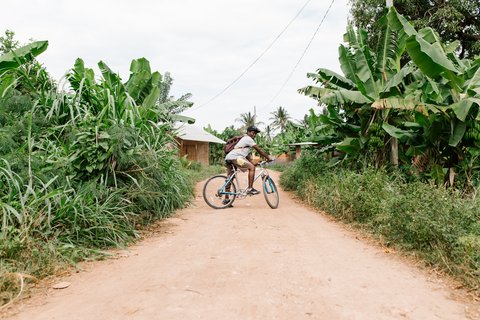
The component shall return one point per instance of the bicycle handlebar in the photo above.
(261, 163)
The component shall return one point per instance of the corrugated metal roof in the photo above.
(303, 144)
(192, 133)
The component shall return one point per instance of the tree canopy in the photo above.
(7, 42)
(452, 19)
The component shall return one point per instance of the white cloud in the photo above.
(204, 44)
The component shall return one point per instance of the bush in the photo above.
(440, 225)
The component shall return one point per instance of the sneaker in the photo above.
(227, 201)
(252, 191)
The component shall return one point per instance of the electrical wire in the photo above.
(254, 61)
(301, 57)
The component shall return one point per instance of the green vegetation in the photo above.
(439, 225)
(454, 20)
(82, 169)
(274, 139)
(422, 115)
(399, 144)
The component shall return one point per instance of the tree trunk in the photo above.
(394, 151)
(451, 176)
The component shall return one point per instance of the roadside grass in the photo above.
(439, 225)
(198, 171)
(280, 167)
(59, 227)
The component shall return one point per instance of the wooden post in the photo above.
(297, 152)
(394, 151)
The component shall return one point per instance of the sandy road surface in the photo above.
(250, 262)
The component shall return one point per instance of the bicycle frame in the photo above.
(218, 195)
(242, 192)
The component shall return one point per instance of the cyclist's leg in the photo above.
(230, 169)
(243, 163)
(251, 173)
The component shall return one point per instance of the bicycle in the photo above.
(214, 190)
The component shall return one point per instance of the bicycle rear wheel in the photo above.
(214, 192)
(270, 192)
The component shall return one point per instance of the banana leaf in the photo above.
(177, 117)
(424, 48)
(398, 78)
(364, 73)
(398, 133)
(347, 63)
(7, 81)
(399, 23)
(473, 83)
(331, 79)
(458, 131)
(152, 98)
(140, 77)
(387, 51)
(169, 105)
(22, 55)
(357, 39)
(462, 108)
(335, 97)
(406, 104)
(109, 76)
(349, 145)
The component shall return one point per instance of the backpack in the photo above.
(231, 143)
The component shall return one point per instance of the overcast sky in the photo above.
(204, 44)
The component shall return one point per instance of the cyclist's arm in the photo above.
(262, 153)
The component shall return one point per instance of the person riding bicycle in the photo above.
(240, 158)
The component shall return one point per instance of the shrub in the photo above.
(441, 225)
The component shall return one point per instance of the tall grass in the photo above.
(81, 171)
(441, 226)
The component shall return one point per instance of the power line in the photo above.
(301, 57)
(254, 61)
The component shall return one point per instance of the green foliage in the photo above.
(410, 112)
(17, 57)
(7, 42)
(455, 20)
(83, 170)
(280, 167)
(440, 225)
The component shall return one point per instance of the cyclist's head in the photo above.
(253, 129)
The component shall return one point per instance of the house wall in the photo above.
(195, 150)
(285, 157)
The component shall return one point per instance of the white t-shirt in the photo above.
(242, 149)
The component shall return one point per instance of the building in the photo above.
(298, 147)
(195, 143)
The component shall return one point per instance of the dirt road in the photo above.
(251, 262)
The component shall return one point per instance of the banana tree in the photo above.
(111, 120)
(131, 103)
(11, 61)
(444, 100)
(429, 103)
(368, 77)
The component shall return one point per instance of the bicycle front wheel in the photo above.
(215, 193)
(270, 192)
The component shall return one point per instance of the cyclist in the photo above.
(240, 157)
